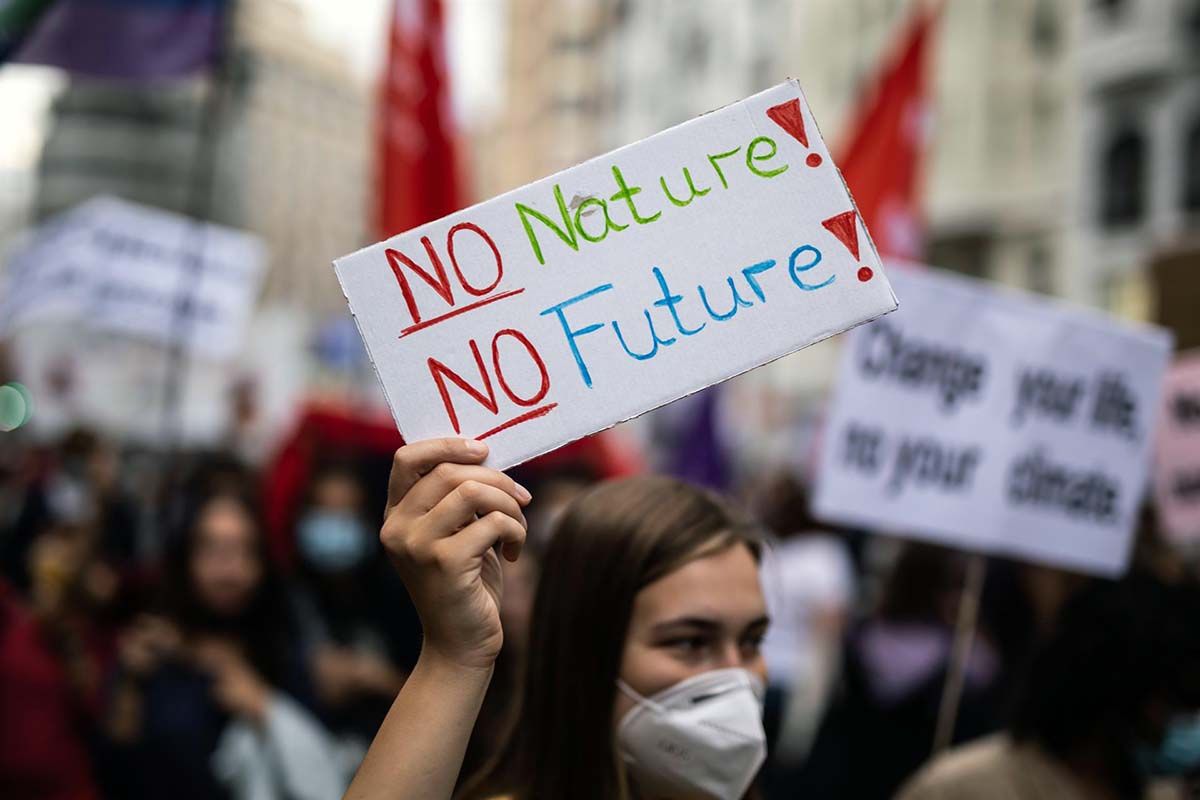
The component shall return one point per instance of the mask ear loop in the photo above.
(633, 695)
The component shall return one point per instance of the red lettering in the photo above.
(470, 226)
(486, 398)
(438, 279)
(533, 354)
(440, 284)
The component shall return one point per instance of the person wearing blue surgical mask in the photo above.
(1111, 705)
(361, 641)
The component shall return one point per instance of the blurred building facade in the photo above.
(1138, 146)
(302, 154)
(290, 163)
(558, 92)
(291, 158)
(1004, 103)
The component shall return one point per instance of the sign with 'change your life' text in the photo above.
(621, 284)
(995, 421)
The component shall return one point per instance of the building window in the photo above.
(1191, 166)
(1191, 19)
(1045, 30)
(1123, 172)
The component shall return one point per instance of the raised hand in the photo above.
(445, 513)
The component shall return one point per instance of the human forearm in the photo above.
(419, 748)
(447, 519)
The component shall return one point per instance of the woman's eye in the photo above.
(690, 644)
(753, 643)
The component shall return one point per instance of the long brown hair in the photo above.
(265, 627)
(610, 543)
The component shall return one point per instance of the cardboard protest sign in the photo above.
(995, 421)
(1177, 461)
(120, 266)
(624, 283)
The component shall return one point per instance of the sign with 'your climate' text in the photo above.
(621, 284)
(991, 420)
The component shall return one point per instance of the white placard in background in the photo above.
(621, 284)
(120, 266)
(996, 421)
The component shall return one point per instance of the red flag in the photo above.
(417, 172)
(886, 140)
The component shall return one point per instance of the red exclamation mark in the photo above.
(845, 227)
(787, 116)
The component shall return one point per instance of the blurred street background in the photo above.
(1047, 145)
(1060, 156)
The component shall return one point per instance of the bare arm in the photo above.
(445, 515)
(419, 748)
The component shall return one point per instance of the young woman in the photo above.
(205, 704)
(644, 677)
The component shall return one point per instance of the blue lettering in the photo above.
(738, 302)
(795, 270)
(653, 336)
(573, 334)
(669, 301)
(753, 270)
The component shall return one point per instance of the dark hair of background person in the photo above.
(1117, 649)
(612, 542)
(786, 507)
(923, 585)
(264, 628)
(333, 469)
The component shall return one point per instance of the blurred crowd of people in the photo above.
(159, 639)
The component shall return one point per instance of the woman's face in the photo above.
(225, 567)
(708, 614)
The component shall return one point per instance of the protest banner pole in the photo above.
(199, 207)
(964, 637)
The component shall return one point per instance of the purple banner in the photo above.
(126, 38)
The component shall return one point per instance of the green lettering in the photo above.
(568, 236)
(751, 158)
(687, 176)
(713, 159)
(626, 194)
(609, 225)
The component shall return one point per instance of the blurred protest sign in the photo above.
(997, 422)
(118, 266)
(1177, 460)
(624, 283)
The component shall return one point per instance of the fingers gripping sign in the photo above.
(445, 515)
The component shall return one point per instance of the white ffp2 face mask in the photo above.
(702, 735)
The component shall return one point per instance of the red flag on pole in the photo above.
(417, 172)
(885, 145)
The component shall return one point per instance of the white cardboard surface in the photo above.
(540, 350)
(996, 421)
